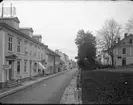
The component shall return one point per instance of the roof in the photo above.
(37, 36)
(120, 41)
(13, 18)
(21, 34)
(50, 52)
(27, 28)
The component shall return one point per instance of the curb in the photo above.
(25, 86)
(66, 94)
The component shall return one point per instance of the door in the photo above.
(124, 62)
(10, 69)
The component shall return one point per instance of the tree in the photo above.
(86, 47)
(108, 35)
(129, 26)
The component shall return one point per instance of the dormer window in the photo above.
(131, 41)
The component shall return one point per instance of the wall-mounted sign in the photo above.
(6, 67)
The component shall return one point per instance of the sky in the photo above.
(59, 21)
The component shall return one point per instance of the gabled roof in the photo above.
(121, 41)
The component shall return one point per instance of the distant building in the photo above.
(123, 51)
(66, 61)
(64, 58)
(72, 64)
(53, 61)
(105, 58)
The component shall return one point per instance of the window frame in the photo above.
(25, 65)
(18, 65)
(130, 40)
(124, 51)
(18, 45)
(25, 47)
(10, 43)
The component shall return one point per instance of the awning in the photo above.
(41, 66)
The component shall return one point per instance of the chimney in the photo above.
(125, 35)
(27, 31)
(37, 38)
(11, 21)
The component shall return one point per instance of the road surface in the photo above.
(48, 91)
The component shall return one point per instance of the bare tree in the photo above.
(108, 35)
(129, 25)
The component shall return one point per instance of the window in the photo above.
(30, 49)
(130, 50)
(35, 67)
(25, 65)
(130, 41)
(18, 66)
(10, 43)
(116, 51)
(124, 51)
(35, 51)
(18, 45)
(38, 55)
(26, 48)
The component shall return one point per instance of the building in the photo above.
(64, 59)
(123, 51)
(72, 64)
(105, 58)
(22, 54)
(53, 61)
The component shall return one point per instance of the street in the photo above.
(48, 91)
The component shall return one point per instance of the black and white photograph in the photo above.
(66, 52)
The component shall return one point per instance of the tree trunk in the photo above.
(112, 58)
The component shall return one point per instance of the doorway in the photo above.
(10, 62)
(123, 62)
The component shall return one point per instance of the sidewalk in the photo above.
(6, 91)
(71, 94)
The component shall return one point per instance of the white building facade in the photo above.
(20, 53)
(123, 51)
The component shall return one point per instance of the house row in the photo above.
(22, 53)
(64, 59)
(122, 52)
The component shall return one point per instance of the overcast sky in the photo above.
(58, 22)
